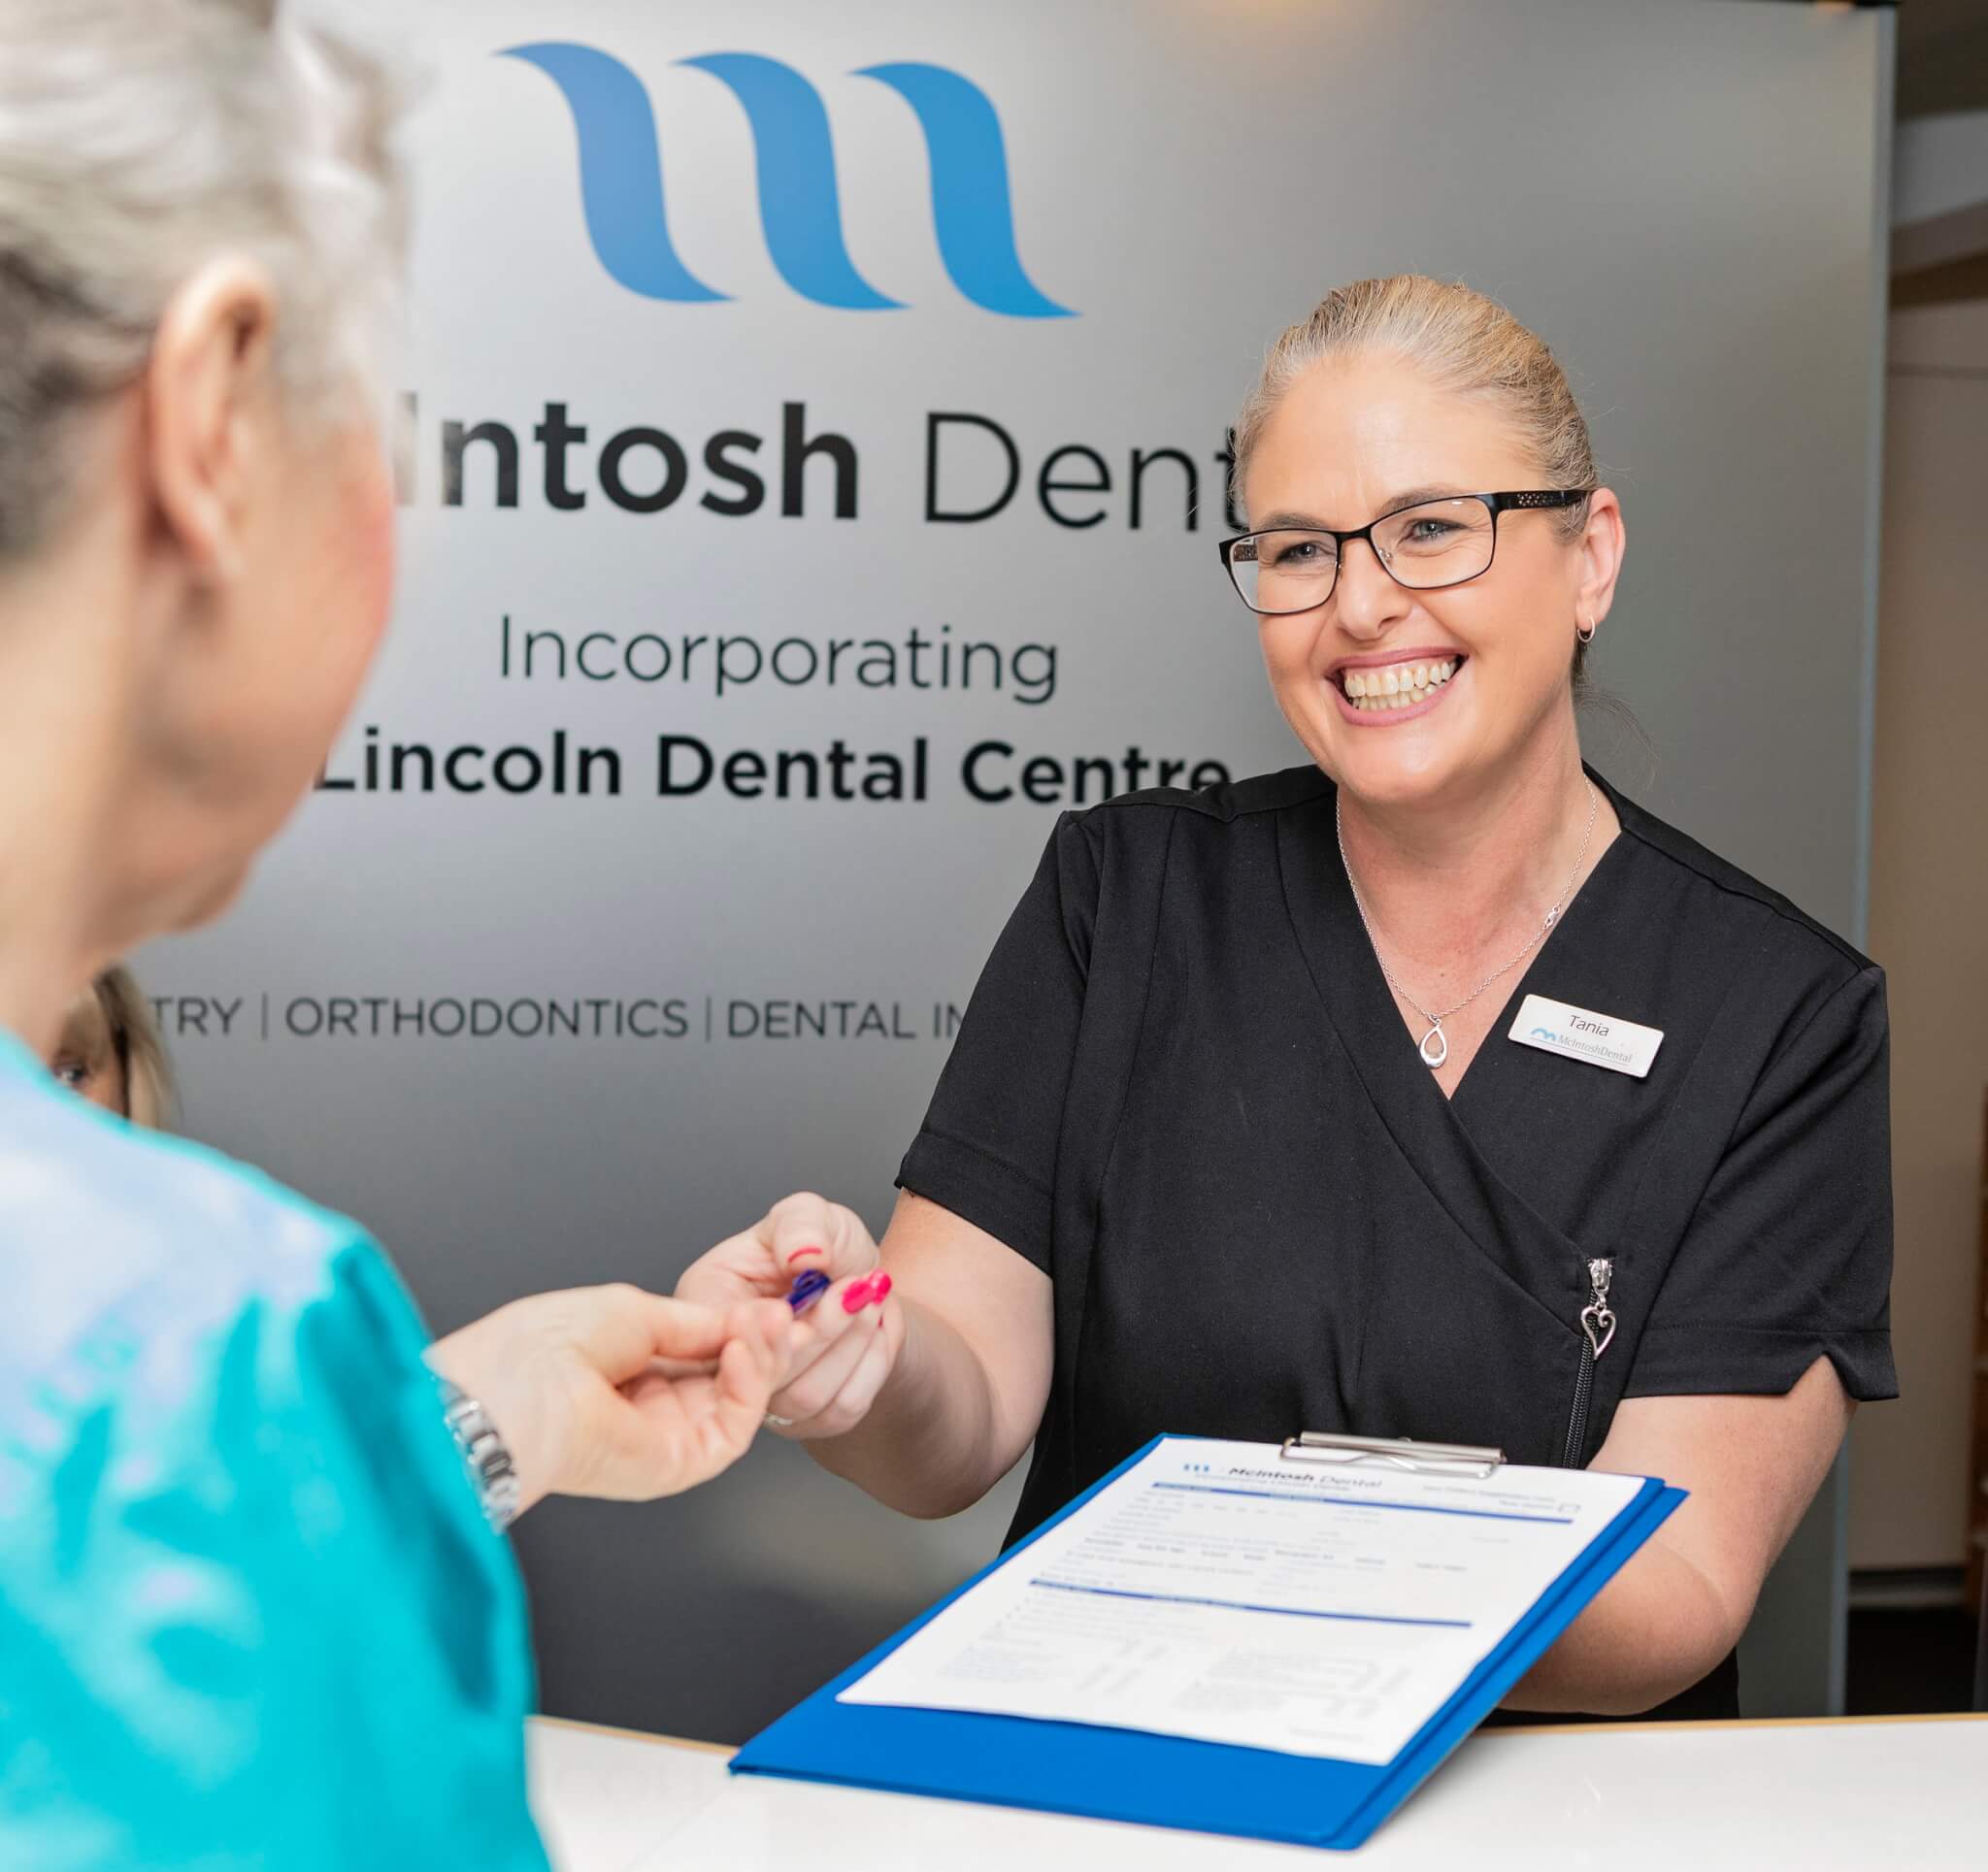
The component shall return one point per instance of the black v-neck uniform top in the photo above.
(1182, 1091)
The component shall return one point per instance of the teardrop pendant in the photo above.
(1434, 1060)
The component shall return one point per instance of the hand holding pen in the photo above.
(819, 1258)
(615, 1393)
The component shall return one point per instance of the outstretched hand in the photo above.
(616, 1393)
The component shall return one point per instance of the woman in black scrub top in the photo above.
(1246, 1131)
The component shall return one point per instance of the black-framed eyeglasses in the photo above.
(1424, 546)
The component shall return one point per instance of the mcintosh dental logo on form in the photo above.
(622, 194)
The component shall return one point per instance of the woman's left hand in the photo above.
(616, 1393)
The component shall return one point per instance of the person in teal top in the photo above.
(246, 1594)
(256, 1608)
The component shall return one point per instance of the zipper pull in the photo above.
(1595, 1319)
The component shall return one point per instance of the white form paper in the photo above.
(1215, 1591)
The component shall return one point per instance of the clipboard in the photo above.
(1173, 1781)
(1476, 1459)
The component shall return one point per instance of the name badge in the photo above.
(1601, 1039)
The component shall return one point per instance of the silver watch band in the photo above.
(483, 1453)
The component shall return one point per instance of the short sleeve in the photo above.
(987, 1148)
(1788, 1256)
(261, 1620)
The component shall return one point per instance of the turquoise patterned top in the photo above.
(250, 1614)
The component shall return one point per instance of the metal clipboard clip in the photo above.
(1474, 1460)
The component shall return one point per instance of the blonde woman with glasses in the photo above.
(1429, 1088)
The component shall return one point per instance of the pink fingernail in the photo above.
(857, 1296)
(800, 1253)
(880, 1288)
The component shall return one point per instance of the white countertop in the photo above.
(1906, 1791)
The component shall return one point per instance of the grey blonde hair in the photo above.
(1462, 342)
(111, 1022)
(148, 1091)
(140, 138)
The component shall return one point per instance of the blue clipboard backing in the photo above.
(1165, 1780)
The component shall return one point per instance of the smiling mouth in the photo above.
(1396, 685)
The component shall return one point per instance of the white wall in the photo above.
(1929, 924)
(1939, 164)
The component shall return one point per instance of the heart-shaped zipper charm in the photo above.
(1599, 1323)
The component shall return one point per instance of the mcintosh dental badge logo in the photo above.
(622, 179)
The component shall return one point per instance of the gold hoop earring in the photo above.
(1586, 633)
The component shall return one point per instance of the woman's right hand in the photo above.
(845, 1346)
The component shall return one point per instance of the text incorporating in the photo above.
(974, 473)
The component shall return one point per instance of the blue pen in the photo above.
(807, 1288)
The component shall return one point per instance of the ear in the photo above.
(206, 391)
(1602, 546)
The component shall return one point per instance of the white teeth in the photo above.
(1399, 686)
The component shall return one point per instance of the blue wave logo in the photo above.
(1544, 1033)
(622, 179)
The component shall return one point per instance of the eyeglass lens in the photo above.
(1440, 543)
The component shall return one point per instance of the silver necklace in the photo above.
(1434, 1046)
